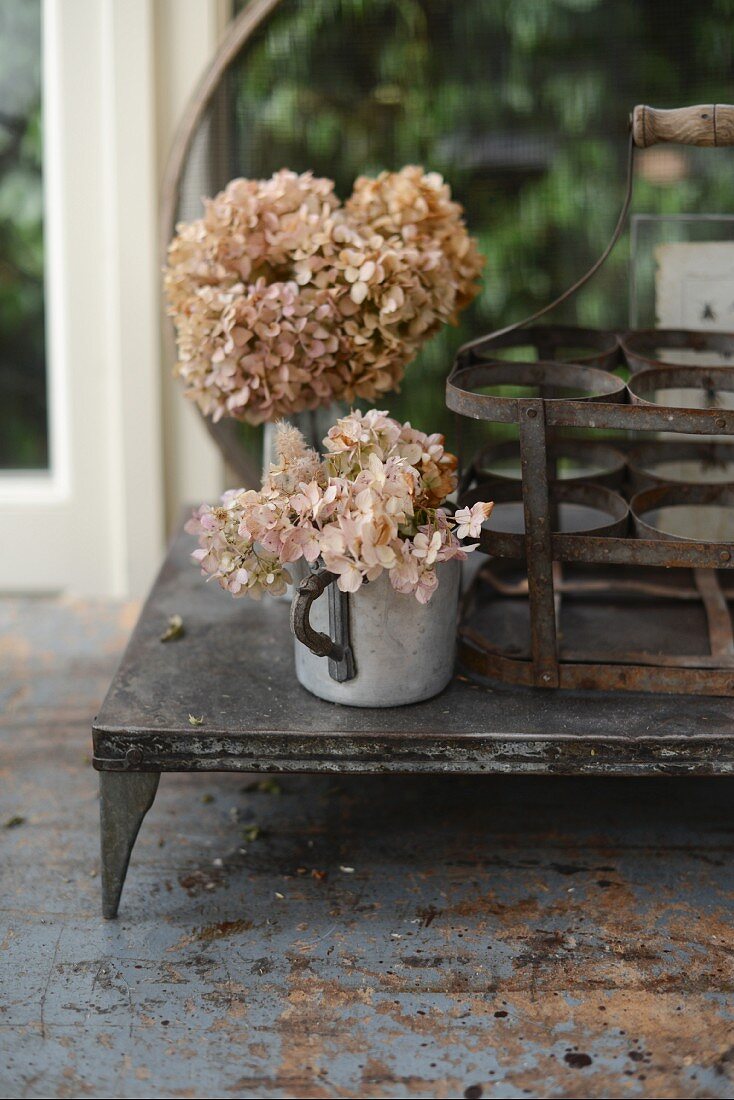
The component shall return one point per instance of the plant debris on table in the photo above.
(175, 629)
(265, 786)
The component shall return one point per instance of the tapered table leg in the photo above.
(124, 800)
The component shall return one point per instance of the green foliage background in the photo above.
(521, 104)
(23, 441)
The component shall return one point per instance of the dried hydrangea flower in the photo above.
(285, 300)
(372, 504)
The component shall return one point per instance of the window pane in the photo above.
(23, 414)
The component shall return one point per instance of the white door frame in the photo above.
(95, 523)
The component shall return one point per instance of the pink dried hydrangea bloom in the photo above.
(285, 300)
(418, 207)
(371, 504)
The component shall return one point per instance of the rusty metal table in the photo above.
(233, 672)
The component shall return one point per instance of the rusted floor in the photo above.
(317, 937)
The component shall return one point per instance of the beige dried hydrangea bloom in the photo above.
(285, 300)
(372, 504)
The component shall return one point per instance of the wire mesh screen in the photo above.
(521, 104)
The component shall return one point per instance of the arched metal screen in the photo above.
(521, 104)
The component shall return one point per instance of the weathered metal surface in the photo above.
(597, 387)
(570, 343)
(412, 936)
(648, 501)
(594, 671)
(620, 631)
(234, 669)
(343, 667)
(603, 550)
(337, 649)
(642, 347)
(537, 538)
(709, 381)
(610, 464)
(124, 800)
(402, 651)
(607, 408)
(511, 544)
(712, 458)
(607, 405)
(643, 552)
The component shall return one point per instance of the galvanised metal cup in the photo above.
(375, 647)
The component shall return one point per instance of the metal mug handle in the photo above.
(342, 666)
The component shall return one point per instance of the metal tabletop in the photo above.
(233, 672)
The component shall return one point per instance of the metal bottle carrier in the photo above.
(584, 587)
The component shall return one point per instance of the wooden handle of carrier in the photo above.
(707, 124)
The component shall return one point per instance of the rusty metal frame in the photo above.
(598, 451)
(603, 349)
(641, 347)
(537, 509)
(642, 459)
(709, 380)
(507, 544)
(666, 496)
(611, 404)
